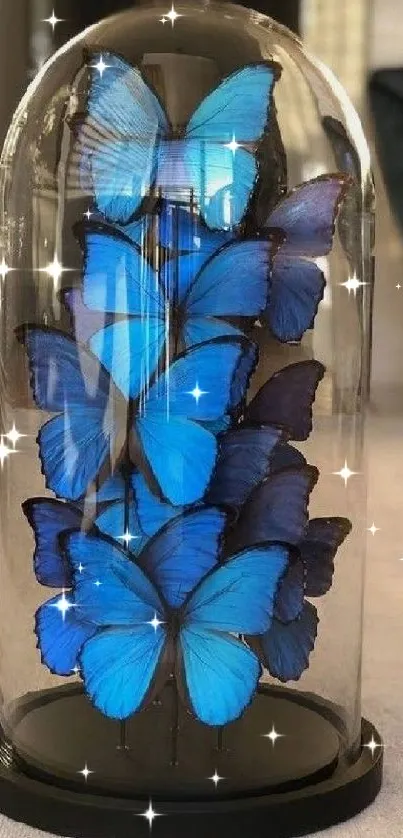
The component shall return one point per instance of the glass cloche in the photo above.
(186, 238)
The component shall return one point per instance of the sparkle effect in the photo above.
(373, 529)
(127, 538)
(273, 736)
(197, 393)
(345, 473)
(100, 66)
(85, 772)
(52, 20)
(216, 779)
(155, 623)
(88, 215)
(63, 605)
(4, 451)
(233, 145)
(398, 286)
(372, 745)
(13, 436)
(76, 670)
(150, 814)
(81, 568)
(172, 15)
(4, 269)
(353, 284)
(55, 270)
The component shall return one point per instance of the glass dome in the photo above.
(187, 233)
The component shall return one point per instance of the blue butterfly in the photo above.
(125, 144)
(306, 218)
(181, 303)
(167, 434)
(174, 612)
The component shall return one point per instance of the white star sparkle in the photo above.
(14, 436)
(172, 15)
(97, 583)
(233, 145)
(101, 66)
(345, 473)
(52, 20)
(372, 745)
(155, 623)
(197, 393)
(373, 529)
(76, 670)
(398, 286)
(55, 270)
(216, 779)
(63, 605)
(4, 268)
(4, 451)
(88, 215)
(85, 772)
(150, 814)
(273, 736)
(353, 284)
(81, 568)
(127, 538)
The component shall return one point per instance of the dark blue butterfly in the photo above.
(181, 303)
(200, 386)
(125, 144)
(176, 610)
(306, 218)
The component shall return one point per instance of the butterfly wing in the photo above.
(223, 177)
(186, 549)
(297, 288)
(84, 321)
(307, 215)
(286, 648)
(118, 667)
(198, 387)
(219, 672)
(291, 593)
(286, 399)
(181, 229)
(286, 456)
(117, 140)
(48, 519)
(113, 521)
(277, 510)
(152, 513)
(318, 549)
(65, 377)
(245, 455)
(61, 636)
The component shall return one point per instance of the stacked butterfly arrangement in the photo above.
(179, 532)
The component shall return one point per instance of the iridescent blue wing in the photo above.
(84, 321)
(177, 274)
(277, 510)
(130, 351)
(118, 667)
(291, 593)
(307, 215)
(66, 378)
(181, 229)
(245, 455)
(286, 648)
(114, 522)
(286, 399)
(297, 288)
(223, 176)
(182, 553)
(219, 672)
(112, 489)
(318, 549)
(203, 329)
(116, 142)
(152, 513)
(61, 635)
(109, 589)
(48, 519)
(199, 387)
(219, 288)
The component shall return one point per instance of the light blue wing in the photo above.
(181, 455)
(61, 638)
(239, 596)
(198, 330)
(129, 351)
(112, 522)
(180, 229)
(118, 666)
(220, 674)
(109, 589)
(117, 279)
(183, 552)
(117, 140)
(152, 513)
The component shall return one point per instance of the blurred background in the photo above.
(361, 40)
